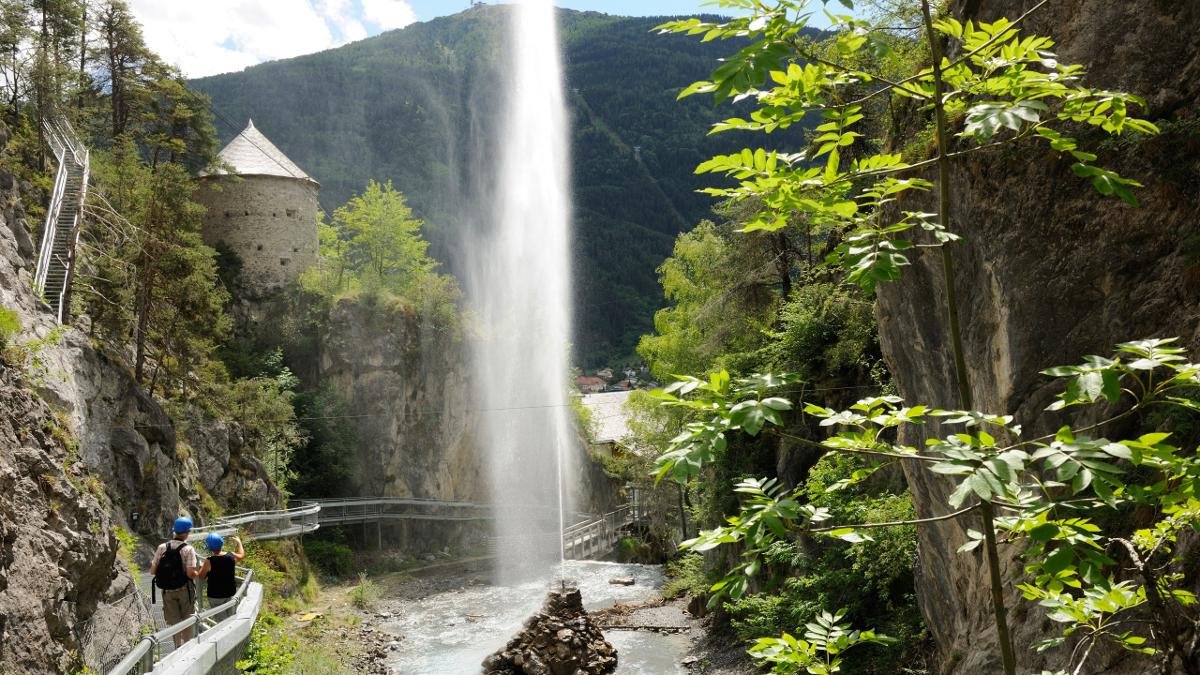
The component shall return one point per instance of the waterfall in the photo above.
(519, 282)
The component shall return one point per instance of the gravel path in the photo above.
(706, 654)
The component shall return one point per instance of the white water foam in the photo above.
(519, 283)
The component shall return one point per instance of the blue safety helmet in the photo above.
(214, 541)
(183, 524)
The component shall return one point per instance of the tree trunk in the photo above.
(783, 265)
(83, 32)
(143, 324)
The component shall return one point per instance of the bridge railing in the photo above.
(265, 525)
(388, 508)
(46, 250)
(595, 536)
(362, 509)
(143, 657)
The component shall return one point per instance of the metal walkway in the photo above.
(597, 536)
(60, 233)
(218, 633)
(266, 525)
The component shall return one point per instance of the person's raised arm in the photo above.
(241, 552)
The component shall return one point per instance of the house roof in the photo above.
(250, 153)
(610, 415)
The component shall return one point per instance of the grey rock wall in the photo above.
(1050, 271)
(57, 551)
(82, 450)
(407, 386)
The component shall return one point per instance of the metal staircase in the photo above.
(56, 257)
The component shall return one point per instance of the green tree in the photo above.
(374, 245)
(325, 466)
(383, 238)
(15, 31)
(264, 408)
(152, 280)
(123, 52)
(1003, 88)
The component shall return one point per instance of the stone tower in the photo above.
(263, 207)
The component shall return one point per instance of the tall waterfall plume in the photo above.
(519, 282)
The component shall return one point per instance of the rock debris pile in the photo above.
(559, 640)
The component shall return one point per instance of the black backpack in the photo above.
(170, 573)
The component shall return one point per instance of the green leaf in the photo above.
(960, 494)
(1044, 532)
(776, 403)
(1058, 561)
(969, 546)
(850, 534)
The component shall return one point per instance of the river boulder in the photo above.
(559, 640)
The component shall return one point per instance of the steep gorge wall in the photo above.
(83, 450)
(1050, 271)
(406, 386)
(57, 550)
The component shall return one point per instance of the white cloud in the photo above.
(205, 37)
(388, 14)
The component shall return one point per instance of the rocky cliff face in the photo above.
(405, 383)
(57, 549)
(153, 472)
(83, 450)
(1050, 271)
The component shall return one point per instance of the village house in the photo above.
(590, 385)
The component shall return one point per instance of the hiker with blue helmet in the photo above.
(219, 567)
(174, 568)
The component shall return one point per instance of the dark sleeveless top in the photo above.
(221, 583)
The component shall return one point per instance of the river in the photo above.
(451, 631)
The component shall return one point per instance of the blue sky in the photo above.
(205, 37)
(428, 9)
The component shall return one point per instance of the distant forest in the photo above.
(421, 107)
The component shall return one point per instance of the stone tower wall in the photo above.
(269, 221)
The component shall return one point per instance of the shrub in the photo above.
(270, 651)
(366, 593)
(10, 325)
(127, 543)
(330, 557)
(686, 576)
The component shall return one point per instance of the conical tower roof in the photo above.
(250, 153)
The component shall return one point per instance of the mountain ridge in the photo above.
(417, 106)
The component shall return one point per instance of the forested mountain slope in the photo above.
(420, 106)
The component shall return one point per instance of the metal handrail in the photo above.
(596, 535)
(146, 652)
(61, 138)
(626, 508)
(372, 501)
(234, 523)
(75, 223)
(251, 516)
(52, 212)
